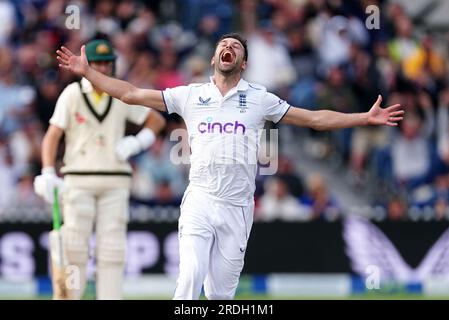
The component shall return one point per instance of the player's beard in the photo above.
(229, 70)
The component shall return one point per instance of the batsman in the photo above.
(96, 185)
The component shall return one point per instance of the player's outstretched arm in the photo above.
(119, 89)
(329, 120)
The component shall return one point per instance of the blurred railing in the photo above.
(142, 213)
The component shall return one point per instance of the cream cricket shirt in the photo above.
(92, 130)
(224, 135)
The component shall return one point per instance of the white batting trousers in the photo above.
(212, 243)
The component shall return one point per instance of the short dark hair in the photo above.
(238, 37)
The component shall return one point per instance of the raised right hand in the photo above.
(69, 61)
(45, 184)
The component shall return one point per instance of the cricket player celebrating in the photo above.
(217, 208)
(96, 172)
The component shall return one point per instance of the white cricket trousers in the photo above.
(212, 243)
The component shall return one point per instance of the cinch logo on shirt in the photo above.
(218, 127)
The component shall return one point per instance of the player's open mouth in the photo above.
(227, 57)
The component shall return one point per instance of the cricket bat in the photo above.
(57, 254)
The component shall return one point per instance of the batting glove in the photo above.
(132, 145)
(46, 182)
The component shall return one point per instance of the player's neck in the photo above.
(98, 91)
(225, 83)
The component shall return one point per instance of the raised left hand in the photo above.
(389, 116)
(71, 62)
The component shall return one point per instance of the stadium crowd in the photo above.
(313, 53)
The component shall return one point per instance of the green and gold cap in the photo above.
(99, 50)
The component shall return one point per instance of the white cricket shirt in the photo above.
(93, 130)
(224, 135)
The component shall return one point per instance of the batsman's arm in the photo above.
(330, 120)
(116, 88)
(50, 146)
(47, 181)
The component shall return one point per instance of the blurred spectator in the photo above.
(441, 209)
(106, 21)
(168, 75)
(165, 195)
(363, 76)
(8, 176)
(155, 170)
(424, 62)
(24, 197)
(319, 200)
(25, 145)
(7, 17)
(304, 60)
(142, 22)
(48, 89)
(215, 14)
(266, 50)
(434, 195)
(396, 209)
(126, 11)
(15, 101)
(142, 73)
(386, 68)
(301, 52)
(126, 53)
(197, 70)
(443, 129)
(171, 36)
(287, 173)
(336, 38)
(411, 148)
(337, 94)
(278, 204)
(403, 45)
